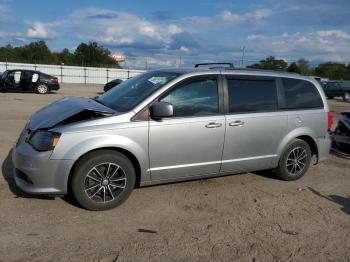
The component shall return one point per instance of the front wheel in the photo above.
(103, 180)
(295, 160)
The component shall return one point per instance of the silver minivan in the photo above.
(172, 125)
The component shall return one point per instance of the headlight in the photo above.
(44, 140)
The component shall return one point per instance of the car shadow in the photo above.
(268, 173)
(342, 201)
(7, 168)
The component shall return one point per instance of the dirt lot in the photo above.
(247, 217)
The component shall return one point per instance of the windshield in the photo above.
(130, 93)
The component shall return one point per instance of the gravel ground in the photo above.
(246, 217)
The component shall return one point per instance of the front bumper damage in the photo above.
(35, 173)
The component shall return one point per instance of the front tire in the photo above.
(295, 160)
(103, 180)
(41, 89)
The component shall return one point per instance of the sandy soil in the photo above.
(246, 217)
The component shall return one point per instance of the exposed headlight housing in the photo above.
(42, 140)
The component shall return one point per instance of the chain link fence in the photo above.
(76, 74)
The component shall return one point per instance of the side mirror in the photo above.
(161, 109)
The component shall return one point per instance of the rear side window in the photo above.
(301, 94)
(250, 95)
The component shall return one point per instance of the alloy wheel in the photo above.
(42, 89)
(105, 182)
(296, 161)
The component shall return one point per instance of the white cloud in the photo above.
(39, 30)
(250, 17)
(227, 18)
(317, 46)
(122, 29)
(333, 33)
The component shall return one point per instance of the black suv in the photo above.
(337, 88)
(28, 81)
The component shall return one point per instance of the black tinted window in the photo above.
(246, 95)
(301, 94)
(196, 98)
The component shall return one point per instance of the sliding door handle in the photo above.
(236, 123)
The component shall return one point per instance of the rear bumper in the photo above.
(324, 146)
(35, 173)
(54, 87)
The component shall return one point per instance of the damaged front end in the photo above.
(38, 132)
(34, 169)
(341, 135)
(67, 111)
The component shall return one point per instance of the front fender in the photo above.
(72, 146)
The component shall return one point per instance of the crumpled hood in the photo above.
(57, 112)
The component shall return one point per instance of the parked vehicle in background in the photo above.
(173, 125)
(341, 134)
(28, 81)
(112, 84)
(337, 89)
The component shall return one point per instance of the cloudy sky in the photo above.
(198, 31)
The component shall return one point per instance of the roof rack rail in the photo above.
(263, 70)
(230, 65)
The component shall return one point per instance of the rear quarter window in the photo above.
(301, 94)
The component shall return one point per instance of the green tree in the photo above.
(335, 71)
(65, 57)
(35, 52)
(270, 63)
(7, 53)
(92, 54)
(301, 67)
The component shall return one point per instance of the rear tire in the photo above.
(103, 180)
(41, 89)
(295, 160)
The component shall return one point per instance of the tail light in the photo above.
(54, 80)
(330, 120)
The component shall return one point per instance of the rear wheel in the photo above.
(103, 180)
(295, 160)
(42, 89)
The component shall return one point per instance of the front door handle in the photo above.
(236, 123)
(213, 125)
